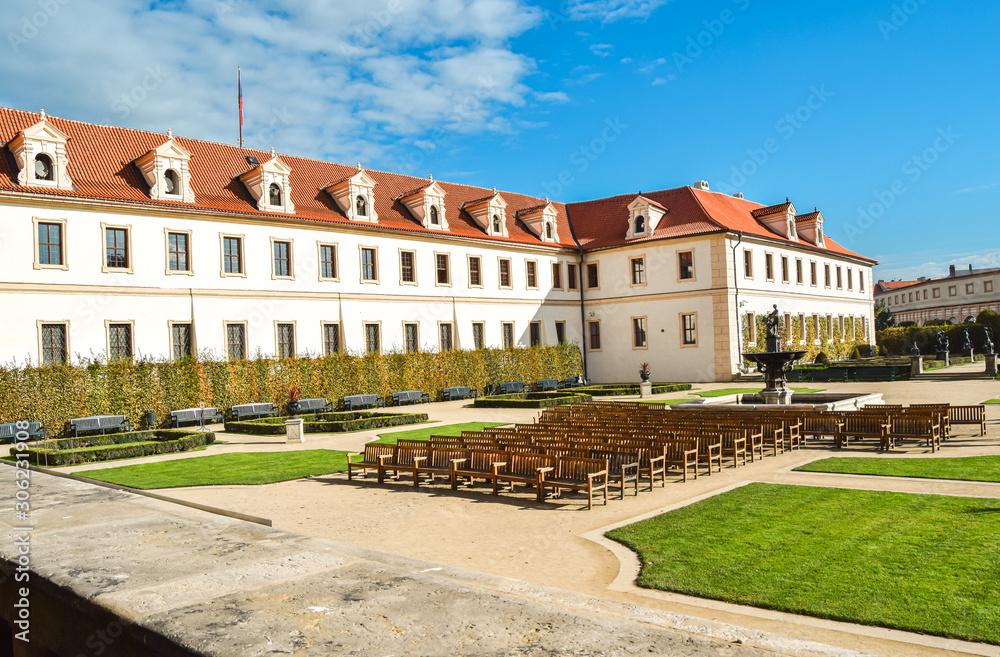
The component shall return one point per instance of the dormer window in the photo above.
(779, 218)
(362, 206)
(640, 224)
(490, 213)
(171, 183)
(355, 196)
(269, 184)
(496, 224)
(548, 231)
(809, 227)
(274, 195)
(541, 220)
(426, 204)
(434, 216)
(644, 216)
(43, 167)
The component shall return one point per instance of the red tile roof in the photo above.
(889, 286)
(771, 209)
(101, 167)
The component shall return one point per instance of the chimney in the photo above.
(701, 184)
(881, 282)
(738, 195)
(970, 267)
(951, 271)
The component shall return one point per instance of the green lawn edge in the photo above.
(961, 468)
(424, 434)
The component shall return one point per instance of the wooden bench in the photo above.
(101, 423)
(512, 387)
(371, 459)
(572, 382)
(863, 425)
(623, 468)
(403, 460)
(208, 415)
(577, 474)
(9, 431)
(478, 464)
(458, 392)
(410, 397)
(917, 427)
(439, 462)
(253, 411)
(314, 405)
(355, 402)
(975, 414)
(543, 385)
(523, 468)
(680, 452)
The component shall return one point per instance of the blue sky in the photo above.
(881, 114)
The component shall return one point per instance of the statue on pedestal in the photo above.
(915, 350)
(942, 342)
(967, 346)
(988, 345)
(772, 323)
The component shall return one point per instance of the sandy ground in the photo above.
(514, 536)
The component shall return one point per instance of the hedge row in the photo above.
(105, 452)
(899, 340)
(532, 400)
(327, 423)
(631, 389)
(54, 395)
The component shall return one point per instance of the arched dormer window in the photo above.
(171, 183)
(361, 206)
(434, 215)
(496, 224)
(548, 231)
(43, 167)
(640, 224)
(274, 195)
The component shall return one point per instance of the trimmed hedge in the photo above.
(327, 423)
(54, 395)
(532, 399)
(630, 389)
(115, 446)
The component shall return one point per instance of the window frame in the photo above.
(281, 195)
(510, 274)
(639, 323)
(242, 255)
(850, 279)
(683, 330)
(785, 272)
(800, 278)
(361, 268)
(108, 323)
(590, 335)
(39, 326)
(641, 259)
(170, 334)
(447, 271)
(277, 338)
(246, 338)
(503, 335)
(748, 264)
(970, 288)
(813, 274)
(595, 267)
(323, 341)
(560, 329)
(413, 266)
(751, 322)
(840, 277)
(769, 266)
(530, 265)
(63, 251)
(572, 280)
(377, 323)
(480, 342)
(680, 278)
(533, 327)
(451, 335)
(336, 261)
(479, 265)
(291, 259)
(826, 276)
(167, 232)
(952, 290)
(557, 277)
(416, 336)
(987, 287)
(129, 268)
(936, 293)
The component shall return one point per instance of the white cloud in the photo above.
(343, 86)
(935, 263)
(658, 81)
(626, 60)
(552, 96)
(608, 11)
(977, 188)
(602, 49)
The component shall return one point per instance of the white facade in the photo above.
(956, 298)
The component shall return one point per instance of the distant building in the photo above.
(956, 298)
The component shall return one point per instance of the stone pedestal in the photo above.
(777, 396)
(991, 364)
(943, 355)
(645, 389)
(916, 365)
(295, 431)
(971, 355)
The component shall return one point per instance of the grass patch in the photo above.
(966, 468)
(992, 401)
(225, 469)
(920, 563)
(424, 434)
(669, 402)
(722, 392)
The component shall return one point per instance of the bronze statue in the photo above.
(772, 323)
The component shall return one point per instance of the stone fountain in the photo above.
(774, 364)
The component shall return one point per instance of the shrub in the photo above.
(822, 359)
(120, 446)
(327, 423)
(630, 389)
(856, 353)
(532, 400)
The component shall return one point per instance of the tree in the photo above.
(883, 318)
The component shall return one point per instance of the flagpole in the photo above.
(239, 85)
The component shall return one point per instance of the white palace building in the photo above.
(117, 243)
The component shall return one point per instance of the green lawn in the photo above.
(665, 401)
(443, 430)
(992, 401)
(225, 469)
(922, 563)
(968, 468)
(746, 391)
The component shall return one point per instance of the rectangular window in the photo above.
(410, 340)
(53, 344)
(119, 341)
(970, 288)
(560, 332)
(478, 334)
(50, 244)
(535, 333)
(788, 327)
(685, 264)
(232, 255)
(331, 339)
(442, 262)
(531, 274)
(236, 341)
(282, 259)
(752, 327)
(784, 269)
(372, 338)
(571, 276)
(798, 271)
(285, 339)
(593, 280)
(116, 248)
(815, 323)
(638, 266)
(407, 272)
(829, 328)
(638, 332)
(507, 331)
(802, 328)
(747, 263)
(840, 282)
(180, 341)
(504, 272)
(475, 271)
(826, 275)
(812, 274)
(952, 290)
(328, 261)
(850, 279)
(556, 275)
(689, 329)
(861, 280)
(369, 265)
(769, 266)
(987, 287)
(911, 296)
(936, 293)
(178, 252)
(594, 333)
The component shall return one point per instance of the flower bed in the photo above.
(92, 449)
(533, 399)
(327, 423)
